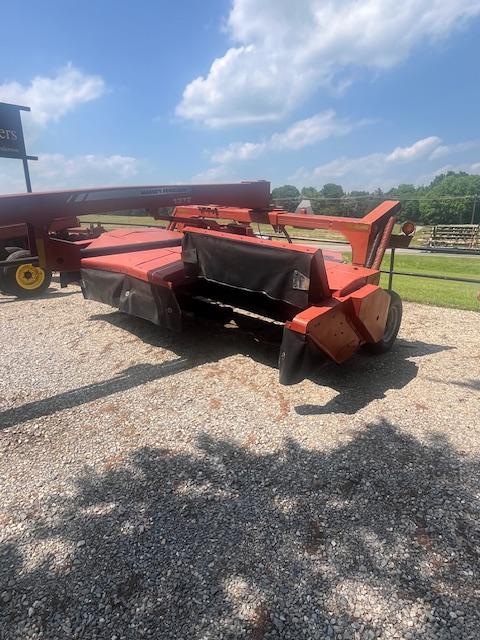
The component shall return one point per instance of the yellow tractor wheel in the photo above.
(24, 280)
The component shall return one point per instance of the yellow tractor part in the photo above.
(29, 277)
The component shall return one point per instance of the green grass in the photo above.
(437, 292)
(459, 295)
(319, 234)
(117, 220)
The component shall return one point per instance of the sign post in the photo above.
(12, 143)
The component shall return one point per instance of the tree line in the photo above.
(451, 198)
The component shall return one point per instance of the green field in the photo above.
(458, 295)
(445, 294)
(118, 220)
(321, 234)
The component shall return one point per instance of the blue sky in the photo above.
(365, 93)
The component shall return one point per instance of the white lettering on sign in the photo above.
(8, 134)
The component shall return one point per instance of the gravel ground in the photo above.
(166, 487)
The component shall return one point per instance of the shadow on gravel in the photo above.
(473, 383)
(377, 537)
(128, 379)
(365, 378)
(359, 381)
(51, 294)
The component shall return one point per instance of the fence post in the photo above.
(474, 210)
(392, 264)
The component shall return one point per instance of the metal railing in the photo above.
(390, 271)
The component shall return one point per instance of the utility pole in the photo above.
(12, 144)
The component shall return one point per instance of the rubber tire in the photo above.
(3, 279)
(395, 311)
(9, 282)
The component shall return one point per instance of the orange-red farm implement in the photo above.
(209, 252)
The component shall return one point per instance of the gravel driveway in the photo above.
(159, 486)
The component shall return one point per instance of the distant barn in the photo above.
(305, 207)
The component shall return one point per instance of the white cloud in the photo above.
(55, 171)
(386, 169)
(284, 51)
(310, 131)
(238, 151)
(50, 98)
(299, 135)
(420, 149)
(449, 149)
(215, 174)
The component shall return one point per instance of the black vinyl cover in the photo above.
(278, 272)
(132, 296)
(299, 358)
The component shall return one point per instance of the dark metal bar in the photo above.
(268, 235)
(456, 250)
(173, 243)
(190, 221)
(287, 235)
(432, 277)
(13, 263)
(312, 239)
(126, 248)
(392, 265)
(122, 224)
(27, 175)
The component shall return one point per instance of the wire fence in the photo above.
(381, 197)
(322, 240)
(427, 209)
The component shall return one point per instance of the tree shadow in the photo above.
(358, 382)
(379, 535)
(195, 347)
(233, 333)
(365, 378)
(50, 294)
(472, 383)
(127, 379)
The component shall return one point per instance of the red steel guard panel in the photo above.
(210, 249)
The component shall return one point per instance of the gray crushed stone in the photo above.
(165, 486)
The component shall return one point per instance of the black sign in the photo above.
(12, 144)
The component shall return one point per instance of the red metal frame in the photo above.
(43, 207)
(359, 232)
(347, 307)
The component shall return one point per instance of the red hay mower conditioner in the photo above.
(208, 253)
